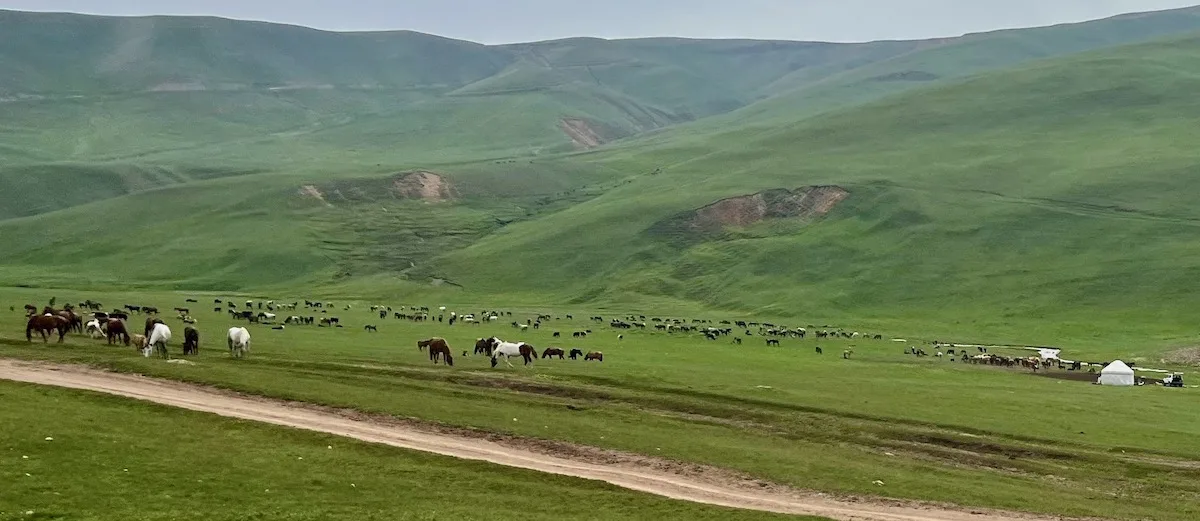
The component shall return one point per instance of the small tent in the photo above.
(1118, 374)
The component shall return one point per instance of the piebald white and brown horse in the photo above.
(509, 349)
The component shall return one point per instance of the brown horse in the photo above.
(74, 320)
(150, 322)
(191, 341)
(116, 330)
(46, 324)
(594, 355)
(438, 349)
(553, 351)
(483, 346)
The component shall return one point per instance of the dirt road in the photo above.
(693, 486)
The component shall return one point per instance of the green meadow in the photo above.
(929, 428)
(61, 447)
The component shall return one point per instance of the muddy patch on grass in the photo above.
(530, 387)
(483, 381)
(984, 447)
(311, 191)
(1185, 356)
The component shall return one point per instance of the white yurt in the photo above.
(1118, 374)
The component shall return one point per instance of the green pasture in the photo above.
(77, 455)
(929, 429)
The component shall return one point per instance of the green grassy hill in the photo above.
(88, 94)
(1058, 191)
(980, 198)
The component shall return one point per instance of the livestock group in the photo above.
(114, 328)
(156, 335)
(561, 334)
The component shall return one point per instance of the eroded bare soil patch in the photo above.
(426, 186)
(581, 133)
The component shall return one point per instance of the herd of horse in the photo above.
(114, 328)
(157, 334)
(495, 349)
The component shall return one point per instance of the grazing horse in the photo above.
(239, 342)
(74, 320)
(30, 310)
(370, 328)
(116, 330)
(191, 341)
(594, 355)
(158, 338)
(150, 323)
(483, 346)
(93, 329)
(575, 354)
(510, 349)
(553, 351)
(438, 350)
(46, 324)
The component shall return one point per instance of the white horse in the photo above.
(93, 329)
(239, 342)
(509, 349)
(159, 336)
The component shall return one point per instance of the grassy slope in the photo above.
(845, 83)
(228, 469)
(86, 106)
(366, 99)
(958, 433)
(966, 56)
(1010, 198)
(246, 232)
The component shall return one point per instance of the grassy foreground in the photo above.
(113, 458)
(929, 429)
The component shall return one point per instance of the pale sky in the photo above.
(505, 21)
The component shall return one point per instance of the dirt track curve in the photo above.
(693, 488)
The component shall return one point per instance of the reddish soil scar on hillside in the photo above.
(666, 478)
(581, 133)
(804, 203)
(426, 186)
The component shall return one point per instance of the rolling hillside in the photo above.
(218, 97)
(1058, 190)
(986, 183)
